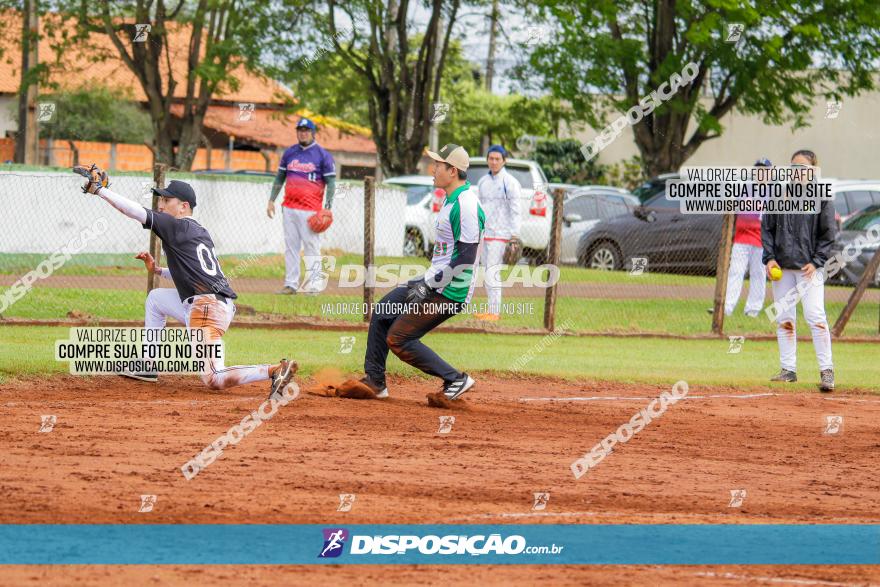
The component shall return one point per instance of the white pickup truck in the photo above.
(536, 207)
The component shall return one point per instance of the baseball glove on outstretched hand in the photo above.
(97, 178)
(321, 220)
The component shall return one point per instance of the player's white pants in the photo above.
(813, 301)
(211, 316)
(298, 235)
(745, 258)
(493, 260)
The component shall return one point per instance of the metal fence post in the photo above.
(369, 248)
(155, 246)
(553, 258)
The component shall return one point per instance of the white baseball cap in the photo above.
(454, 155)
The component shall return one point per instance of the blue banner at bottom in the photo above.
(522, 544)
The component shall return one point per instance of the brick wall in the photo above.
(7, 150)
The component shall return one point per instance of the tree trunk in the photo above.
(210, 24)
(26, 139)
(164, 152)
(403, 86)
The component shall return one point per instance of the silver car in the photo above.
(584, 208)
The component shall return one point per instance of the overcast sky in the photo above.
(472, 30)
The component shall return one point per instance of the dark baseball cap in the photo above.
(497, 149)
(178, 189)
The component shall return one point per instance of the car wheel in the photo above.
(412, 243)
(605, 257)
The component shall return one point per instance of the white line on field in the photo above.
(152, 401)
(198, 401)
(635, 514)
(773, 579)
(597, 398)
(852, 399)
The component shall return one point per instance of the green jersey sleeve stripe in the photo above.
(455, 220)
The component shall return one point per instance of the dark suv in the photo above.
(656, 230)
(653, 186)
(857, 227)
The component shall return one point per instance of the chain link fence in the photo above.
(623, 267)
(65, 254)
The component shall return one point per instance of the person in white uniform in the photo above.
(746, 256)
(500, 195)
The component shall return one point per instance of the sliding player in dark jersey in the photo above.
(202, 298)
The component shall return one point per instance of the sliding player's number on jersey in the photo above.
(207, 256)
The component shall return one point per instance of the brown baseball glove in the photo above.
(512, 251)
(321, 220)
(97, 177)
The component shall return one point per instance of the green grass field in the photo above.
(647, 316)
(29, 352)
(272, 266)
(612, 315)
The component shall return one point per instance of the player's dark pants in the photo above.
(400, 331)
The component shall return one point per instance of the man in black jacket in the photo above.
(799, 245)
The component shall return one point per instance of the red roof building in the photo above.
(256, 114)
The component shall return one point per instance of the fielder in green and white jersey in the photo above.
(459, 229)
(409, 312)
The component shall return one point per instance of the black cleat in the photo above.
(454, 389)
(381, 389)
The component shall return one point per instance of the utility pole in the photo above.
(27, 141)
(433, 131)
(490, 61)
(493, 33)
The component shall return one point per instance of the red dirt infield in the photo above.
(115, 440)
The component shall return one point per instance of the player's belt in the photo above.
(219, 297)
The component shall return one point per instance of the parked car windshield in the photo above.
(415, 193)
(864, 219)
(522, 174)
(648, 189)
